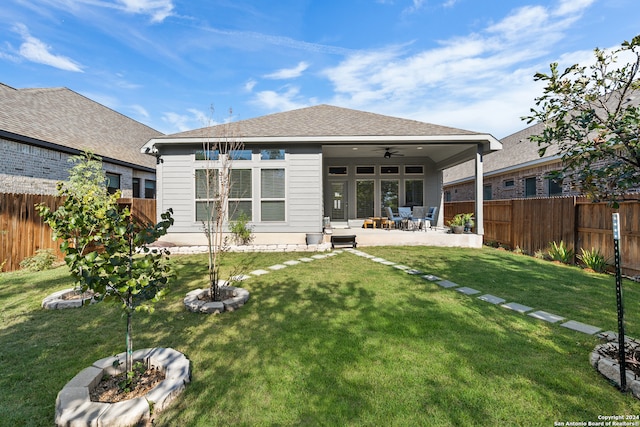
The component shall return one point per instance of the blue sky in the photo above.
(462, 63)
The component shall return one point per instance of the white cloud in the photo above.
(35, 50)
(159, 10)
(140, 110)
(482, 81)
(415, 6)
(183, 122)
(289, 73)
(249, 85)
(276, 101)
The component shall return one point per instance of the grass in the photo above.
(339, 341)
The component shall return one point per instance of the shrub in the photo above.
(594, 260)
(242, 233)
(42, 260)
(559, 252)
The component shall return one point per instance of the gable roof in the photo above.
(63, 120)
(328, 120)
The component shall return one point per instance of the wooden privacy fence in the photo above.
(531, 224)
(22, 231)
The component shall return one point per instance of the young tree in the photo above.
(591, 117)
(220, 186)
(106, 252)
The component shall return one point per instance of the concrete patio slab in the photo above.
(547, 317)
(491, 299)
(517, 307)
(468, 291)
(581, 327)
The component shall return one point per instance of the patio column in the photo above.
(479, 214)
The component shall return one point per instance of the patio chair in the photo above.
(405, 215)
(431, 216)
(417, 216)
(396, 219)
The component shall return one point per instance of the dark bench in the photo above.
(347, 240)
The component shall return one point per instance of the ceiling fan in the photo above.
(390, 151)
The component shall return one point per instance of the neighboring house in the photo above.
(41, 128)
(516, 171)
(302, 167)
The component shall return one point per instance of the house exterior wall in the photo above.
(29, 169)
(501, 187)
(431, 177)
(303, 190)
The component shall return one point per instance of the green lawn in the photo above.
(339, 341)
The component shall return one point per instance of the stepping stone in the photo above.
(388, 263)
(318, 256)
(259, 272)
(240, 278)
(414, 271)
(401, 267)
(468, 291)
(306, 259)
(431, 277)
(292, 262)
(492, 299)
(581, 327)
(517, 307)
(378, 259)
(447, 284)
(547, 317)
(277, 267)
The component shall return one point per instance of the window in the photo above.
(389, 194)
(365, 170)
(240, 154)
(413, 170)
(447, 196)
(337, 170)
(272, 194)
(486, 192)
(207, 193)
(240, 194)
(365, 198)
(555, 187)
(509, 183)
(413, 192)
(113, 182)
(207, 154)
(389, 170)
(530, 187)
(149, 189)
(272, 154)
(135, 183)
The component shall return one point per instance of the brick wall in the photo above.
(27, 169)
(500, 188)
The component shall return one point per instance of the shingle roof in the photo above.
(327, 120)
(66, 118)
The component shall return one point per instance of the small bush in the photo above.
(242, 232)
(594, 260)
(42, 260)
(540, 254)
(559, 252)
